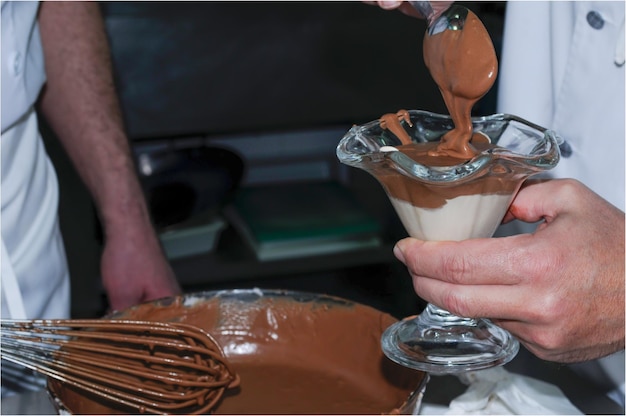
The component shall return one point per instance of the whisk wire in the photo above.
(152, 367)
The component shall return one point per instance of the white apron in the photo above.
(34, 282)
(555, 56)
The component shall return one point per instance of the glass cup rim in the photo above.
(368, 139)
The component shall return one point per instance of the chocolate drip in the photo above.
(464, 65)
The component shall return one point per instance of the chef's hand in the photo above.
(134, 268)
(406, 8)
(560, 290)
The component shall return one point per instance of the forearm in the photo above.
(80, 104)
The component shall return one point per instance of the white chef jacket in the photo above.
(559, 71)
(562, 67)
(34, 280)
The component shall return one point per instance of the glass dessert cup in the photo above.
(462, 201)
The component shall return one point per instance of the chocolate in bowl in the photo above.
(295, 352)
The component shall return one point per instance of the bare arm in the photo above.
(80, 104)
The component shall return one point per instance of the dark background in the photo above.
(249, 76)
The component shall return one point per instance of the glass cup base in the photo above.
(452, 345)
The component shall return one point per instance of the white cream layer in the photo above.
(463, 217)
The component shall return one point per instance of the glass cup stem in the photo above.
(434, 315)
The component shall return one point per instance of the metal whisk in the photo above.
(149, 367)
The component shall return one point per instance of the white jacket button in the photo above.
(15, 64)
(595, 20)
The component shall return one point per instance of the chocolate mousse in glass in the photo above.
(444, 198)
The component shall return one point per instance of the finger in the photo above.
(470, 262)
(402, 6)
(523, 332)
(536, 339)
(389, 4)
(509, 303)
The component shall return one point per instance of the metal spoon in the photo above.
(452, 18)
